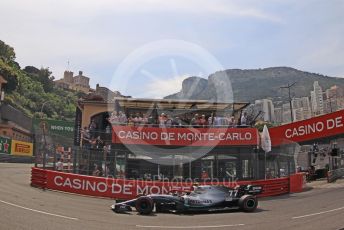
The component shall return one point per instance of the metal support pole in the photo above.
(265, 165)
(44, 147)
(74, 159)
(290, 99)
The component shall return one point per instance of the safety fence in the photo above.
(128, 189)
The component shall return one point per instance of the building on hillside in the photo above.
(286, 117)
(306, 105)
(107, 94)
(317, 100)
(76, 83)
(267, 107)
(334, 99)
(301, 108)
(298, 114)
(296, 103)
(278, 115)
(335, 91)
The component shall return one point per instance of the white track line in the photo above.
(34, 210)
(186, 227)
(318, 213)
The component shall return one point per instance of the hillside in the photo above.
(249, 85)
(29, 88)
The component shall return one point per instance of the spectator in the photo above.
(97, 143)
(231, 121)
(122, 118)
(243, 120)
(131, 120)
(217, 121)
(93, 128)
(202, 121)
(211, 120)
(168, 121)
(114, 118)
(150, 121)
(86, 137)
(121, 174)
(144, 120)
(108, 129)
(176, 122)
(162, 120)
(137, 119)
(59, 165)
(98, 171)
(106, 169)
(195, 121)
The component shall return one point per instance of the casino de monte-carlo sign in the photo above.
(328, 125)
(184, 136)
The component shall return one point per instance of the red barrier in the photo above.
(128, 189)
(297, 182)
(38, 178)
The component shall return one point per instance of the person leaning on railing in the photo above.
(203, 121)
(122, 118)
(59, 165)
(86, 138)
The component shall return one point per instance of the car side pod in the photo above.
(144, 205)
(248, 203)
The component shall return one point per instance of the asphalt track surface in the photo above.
(24, 207)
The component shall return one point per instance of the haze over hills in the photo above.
(253, 84)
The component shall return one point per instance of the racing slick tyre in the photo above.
(144, 205)
(248, 203)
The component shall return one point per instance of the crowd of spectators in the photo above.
(93, 135)
(167, 120)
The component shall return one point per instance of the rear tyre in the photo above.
(144, 205)
(248, 203)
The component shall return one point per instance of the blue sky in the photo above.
(99, 37)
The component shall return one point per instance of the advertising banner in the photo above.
(49, 133)
(328, 125)
(108, 187)
(5, 145)
(21, 148)
(129, 189)
(184, 136)
(55, 127)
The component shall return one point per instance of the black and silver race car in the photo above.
(202, 198)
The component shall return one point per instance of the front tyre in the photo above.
(248, 203)
(144, 205)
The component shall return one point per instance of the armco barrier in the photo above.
(333, 175)
(128, 189)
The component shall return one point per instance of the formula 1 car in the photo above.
(202, 198)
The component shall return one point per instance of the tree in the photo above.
(10, 74)
(8, 67)
(6, 52)
(41, 75)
